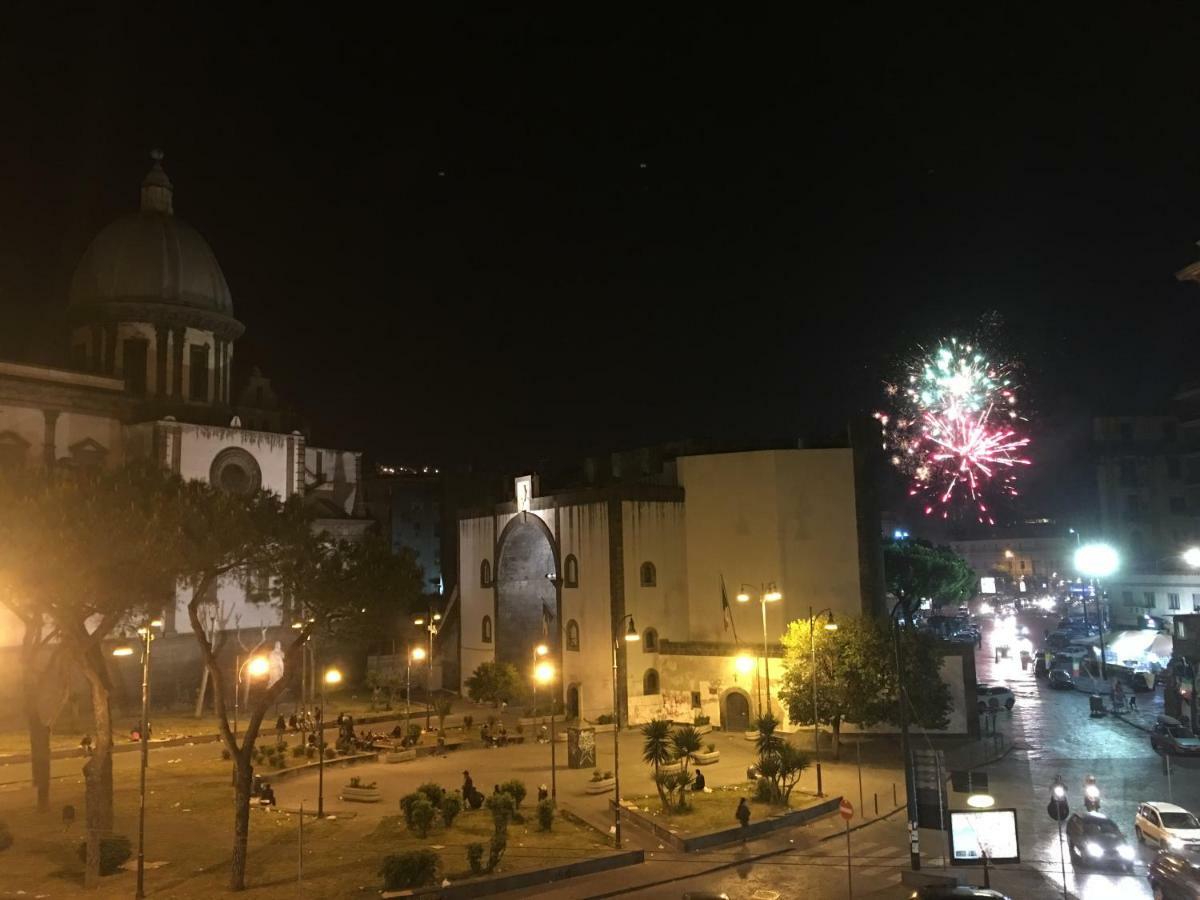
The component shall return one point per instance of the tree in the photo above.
(656, 751)
(493, 682)
(916, 570)
(684, 742)
(91, 552)
(849, 671)
(329, 588)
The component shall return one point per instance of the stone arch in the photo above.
(527, 592)
(737, 710)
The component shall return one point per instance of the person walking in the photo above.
(743, 817)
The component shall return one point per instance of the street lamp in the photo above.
(332, 676)
(418, 654)
(538, 652)
(255, 667)
(1098, 561)
(431, 625)
(631, 636)
(830, 626)
(146, 633)
(543, 674)
(1191, 557)
(768, 594)
(910, 792)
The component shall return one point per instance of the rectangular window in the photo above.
(1127, 598)
(134, 354)
(198, 384)
(1148, 602)
(1195, 602)
(1172, 601)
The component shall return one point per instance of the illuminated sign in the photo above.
(987, 585)
(991, 833)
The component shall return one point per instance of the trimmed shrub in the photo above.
(515, 789)
(434, 792)
(475, 858)
(6, 838)
(298, 752)
(451, 807)
(502, 808)
(422, 813)
(406, 805)
(114, 851)
(545, 814)
(764, 791)
(496, 848)
(413, 869)
(309, 752)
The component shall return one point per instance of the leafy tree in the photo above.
(656, 751)
(332, 589)
(494, 682)
(791, 763)
(91, 552)
(916, 570)
(929, 700)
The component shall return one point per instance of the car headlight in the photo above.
(1125, 852)
(1175, 843)
(1093, 849)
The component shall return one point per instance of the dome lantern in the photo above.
(157, 190)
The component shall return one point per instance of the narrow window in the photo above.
(649, 575)
(134, 354)
(572, 635)
(650, 641)
(571, 571)
(650, 682)
(485, 574)
(486, 630)
(199, 374)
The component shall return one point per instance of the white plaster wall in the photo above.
(339, 475)
(476, 542)
(233, 603)
(201, 444)
(712, 676)
(29, 424)
(654, 532)
(73, 427)
(584, 533)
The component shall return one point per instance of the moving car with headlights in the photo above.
(1095, 840)
(1173, 876)
(986, 693)
(1169, 736)
(956, 892)
(1167, 825)
(1061, 679)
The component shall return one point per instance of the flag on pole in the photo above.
(726, 611)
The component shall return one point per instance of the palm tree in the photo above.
(768, 742)
(684, 742)
(656, 750)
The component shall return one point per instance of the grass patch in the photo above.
(707, 813)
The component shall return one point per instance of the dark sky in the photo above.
(537, 233)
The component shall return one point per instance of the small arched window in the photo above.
(649, 575)
(650, 641)
(650, 682)
(572, 635)
(571, 571)
(486, 630)
(485, 574)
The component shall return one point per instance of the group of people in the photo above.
(1118, 697)
(494, 738)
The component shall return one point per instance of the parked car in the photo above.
(1061, 680)
(1173, 876)
(956, 892)
(1169, 736)
(986, 693)
(1095, 840)
(1167, 825)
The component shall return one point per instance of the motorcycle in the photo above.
(1091, 794)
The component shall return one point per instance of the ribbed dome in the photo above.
(151, 257)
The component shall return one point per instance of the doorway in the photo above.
(573, 702)
(736, 712)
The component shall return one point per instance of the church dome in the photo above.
(151, 266)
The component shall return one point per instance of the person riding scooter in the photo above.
(1091, 794)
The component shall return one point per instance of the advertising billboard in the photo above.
(990, 832)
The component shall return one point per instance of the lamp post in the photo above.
(330, 676)
(538, 652)
(543, 673)
(417, 653)
(431, 625)
(1098, 561)
(631, 634)
(768, 594)
(830, 626)
(146, 632)
(255, 667)
(910, 794)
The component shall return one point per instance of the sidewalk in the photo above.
(1143, 716)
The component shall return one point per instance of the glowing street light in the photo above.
(1191, 556)
(1097, 561)
(331, 676)
(744, 663)
(768, 594)
(631, 636)
(543, 674)
(830, 626)
(981, 801)
(254, 667)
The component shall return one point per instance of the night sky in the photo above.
(501, 236)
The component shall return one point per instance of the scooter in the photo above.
(1091, 794)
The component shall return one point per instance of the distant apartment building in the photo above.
(1036, 554)
(409, 505)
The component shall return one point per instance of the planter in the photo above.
(750, 735)
(671, 768)
(706, 759)
(603, 786)
(703, 729)
(361, 794)
(399, 756)
(603, 729)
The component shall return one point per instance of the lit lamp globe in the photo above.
(333, 676)
(744, 664)
(258, 667)
(1191, 557)
(543, 672)
(981, 801)
(418, 653)
(541, 649)
(1096, 560)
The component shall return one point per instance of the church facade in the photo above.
(667, 556)
(151, 336)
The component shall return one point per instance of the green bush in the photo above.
(468, 721)
(514, 788)
(435, 792)
(764, 791)
(406, 805)
(545, 814)
(475, 858)
(298, 752)
(309, 752)
(114, 851)
(422, 813)
(413, 869)
(502, 808)
(496, 848)
(451, 807)
(6, 838)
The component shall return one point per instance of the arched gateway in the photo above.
(527, 604)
